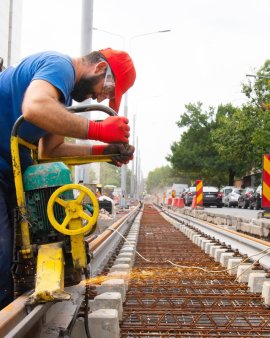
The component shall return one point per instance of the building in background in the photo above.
(10, 30)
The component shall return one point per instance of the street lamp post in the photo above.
(132, 179)
(82, 171)
(124, 167)
(123, 199)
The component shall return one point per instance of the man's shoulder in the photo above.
(50, 55)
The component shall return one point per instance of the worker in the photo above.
(39, 88)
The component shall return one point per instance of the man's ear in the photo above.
(100, 67)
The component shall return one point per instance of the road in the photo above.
(234, 212)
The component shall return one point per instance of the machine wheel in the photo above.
(74, 209)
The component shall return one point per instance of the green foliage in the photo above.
(110, 174)
(195, 153)
(258, 91)
(218, 145)
(232, 137)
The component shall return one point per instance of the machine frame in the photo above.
(50, 257)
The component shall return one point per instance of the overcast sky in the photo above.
(212, 45)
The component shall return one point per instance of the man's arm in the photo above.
(41, 107)
(54, 146)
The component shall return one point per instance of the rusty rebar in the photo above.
(168, 301)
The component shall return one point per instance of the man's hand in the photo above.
(112, 129)
(122, 153)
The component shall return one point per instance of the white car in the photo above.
(231, 200)
(225, 191)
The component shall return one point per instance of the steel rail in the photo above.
(244, 243)
(14, 319)
(23, 327)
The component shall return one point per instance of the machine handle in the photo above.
(72, 109)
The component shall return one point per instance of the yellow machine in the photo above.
(52, 220)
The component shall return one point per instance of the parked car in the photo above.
(244, 198)
(179, 188)
(225, 191)
(189, 196)
(231, 200)
(212, 197)
(184, 192)
(256, 199)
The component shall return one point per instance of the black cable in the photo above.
(86, 300)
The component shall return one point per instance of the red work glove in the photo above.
(112, 129)
(122, 153)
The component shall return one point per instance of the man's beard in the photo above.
(85, 87)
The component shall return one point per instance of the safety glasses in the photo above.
(108, 89)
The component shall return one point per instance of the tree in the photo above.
(258, 93)
(195, 152)
(232, 138)
(111, 175)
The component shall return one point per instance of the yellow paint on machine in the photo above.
(77, 245)
(50, 274)
(26, 251)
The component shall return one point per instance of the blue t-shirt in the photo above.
(52, 67)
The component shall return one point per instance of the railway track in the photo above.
(54, 320)
(177, 290)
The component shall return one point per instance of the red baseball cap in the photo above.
(124, 73)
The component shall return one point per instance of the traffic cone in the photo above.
(175, 201)
(193, 205)
(181, 203)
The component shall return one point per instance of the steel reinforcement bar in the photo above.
(177, 290)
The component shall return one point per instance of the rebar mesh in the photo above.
(168, 301)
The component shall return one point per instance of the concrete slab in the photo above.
(123, 260)
(218, 253)
(120, 267)
(113, 285)
(233, 265)
(224, 258)
(109, 300)
(103, 323)
(243, 272)
(266, 292)
(255, 281)
(213, 249)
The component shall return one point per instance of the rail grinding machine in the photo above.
(52, 220)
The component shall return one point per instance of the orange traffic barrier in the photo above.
(199, 193)
(266, 183)
(181, 203)
(175, 201)
(193, 205)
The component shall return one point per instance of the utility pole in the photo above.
(10, 28)
(82, 171)
(132, 181)
(123, 200)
